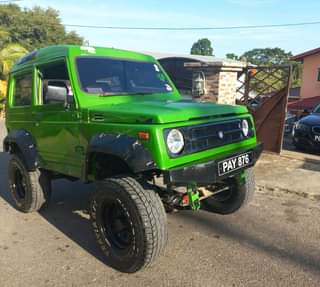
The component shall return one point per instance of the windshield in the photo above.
(106, 76)
(317, 110)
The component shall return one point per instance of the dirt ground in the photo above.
(273, 242)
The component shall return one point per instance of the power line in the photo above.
(194, 28)
(9, 1)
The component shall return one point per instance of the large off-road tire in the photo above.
(129, 222)
(30, 190)
(238, 195)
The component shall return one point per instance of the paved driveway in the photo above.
(273, 242)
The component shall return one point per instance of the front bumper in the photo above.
(206, 173)
(306, 139)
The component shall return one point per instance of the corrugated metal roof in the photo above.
(210, 60)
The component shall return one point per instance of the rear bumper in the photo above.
(206, 173)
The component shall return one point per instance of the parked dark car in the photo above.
(291, 119)
(306, 132)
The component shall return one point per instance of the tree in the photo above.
(232, 56)
(267, 56)
(202, 47)
(35, 28)
(271, 57)
(8, 55)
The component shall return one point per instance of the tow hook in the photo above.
(192, 197)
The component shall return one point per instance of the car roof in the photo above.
(44, 55)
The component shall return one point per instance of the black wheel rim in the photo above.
(19, 183)
(117, 226)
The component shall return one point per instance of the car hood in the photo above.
(311, 120)
(158, 112)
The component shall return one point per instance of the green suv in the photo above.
(114, 117)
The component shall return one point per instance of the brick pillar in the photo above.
(228, 83)
(221, 82)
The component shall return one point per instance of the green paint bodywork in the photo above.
(62, 135)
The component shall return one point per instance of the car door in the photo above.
(56, 122)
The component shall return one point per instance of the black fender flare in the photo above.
(127, 148)
(25, 144)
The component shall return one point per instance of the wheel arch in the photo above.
(128, 153)
(21, 142)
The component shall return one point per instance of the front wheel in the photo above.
(129, 222)
(238, 193)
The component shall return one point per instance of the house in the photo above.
(310, 86)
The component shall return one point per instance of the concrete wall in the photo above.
(310, 85)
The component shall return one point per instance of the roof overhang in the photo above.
(301, 56)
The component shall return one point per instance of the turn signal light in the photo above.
(144, 136)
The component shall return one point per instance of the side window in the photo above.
(22, 95)
(54, 83)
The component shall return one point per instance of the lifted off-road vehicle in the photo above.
(114, 118)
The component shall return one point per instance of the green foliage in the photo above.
(202, 47)
(232, 56)
(34, 28)
(267, 56)
(8, 55)
(3, 89)
(270, 57)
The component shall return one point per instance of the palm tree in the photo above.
(8, 55)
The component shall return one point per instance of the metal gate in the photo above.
(265, 90)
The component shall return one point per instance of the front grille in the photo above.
(206, 136)
(316, 130)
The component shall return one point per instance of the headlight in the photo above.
(245, 127)
(175, 141)
(302, 127)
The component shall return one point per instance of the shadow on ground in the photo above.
(294, 253)
(68, 213)
(311, 164)
(67, 210)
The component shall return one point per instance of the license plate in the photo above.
(317, 138)
(234, 163)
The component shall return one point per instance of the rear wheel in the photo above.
(129, 223)
(238, 193)
(30, 190)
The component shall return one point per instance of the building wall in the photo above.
(310, 85)
(228, 84)
(221, 84)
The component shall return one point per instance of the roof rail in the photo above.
(30, 56)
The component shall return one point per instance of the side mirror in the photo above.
(55, 95)
(57, 91)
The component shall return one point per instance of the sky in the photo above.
(184, 13)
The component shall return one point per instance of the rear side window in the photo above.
(23, 91)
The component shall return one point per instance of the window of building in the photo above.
(23, 91)
(318, 74)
